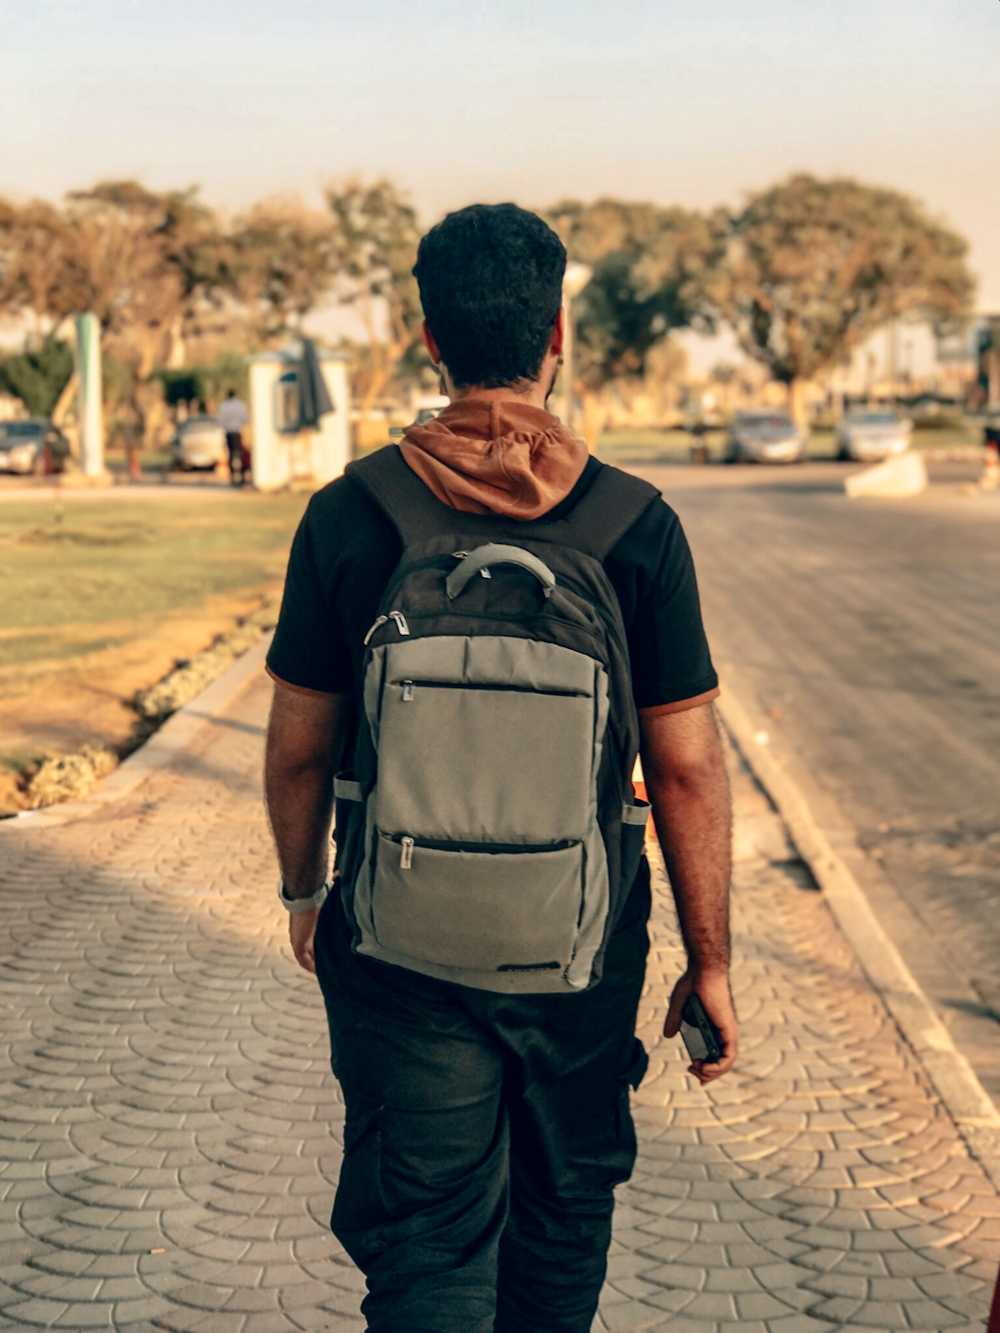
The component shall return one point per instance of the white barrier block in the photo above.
(896, 478)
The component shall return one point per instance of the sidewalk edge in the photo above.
(158, 752)
(954, 1079)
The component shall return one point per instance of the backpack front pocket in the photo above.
(472, 763)
(496, 910)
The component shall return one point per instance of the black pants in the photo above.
(484, 1137)
(234, 443)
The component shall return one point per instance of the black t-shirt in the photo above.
(345, 551)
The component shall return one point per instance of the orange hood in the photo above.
(489, 457)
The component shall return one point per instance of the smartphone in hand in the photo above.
(699, 1033)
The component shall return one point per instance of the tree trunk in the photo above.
(594, 418)
(797, 400)
(993, 379)
(377, 381)
(176, 352)
(65, 400)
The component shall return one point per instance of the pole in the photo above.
(88, 365)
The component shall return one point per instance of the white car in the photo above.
(870, 436)
(765, 437)
(199, 442)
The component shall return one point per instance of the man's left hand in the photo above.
(301, 933)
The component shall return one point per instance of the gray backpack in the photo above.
(488, 833)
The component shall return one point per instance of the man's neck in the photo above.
(530, 393)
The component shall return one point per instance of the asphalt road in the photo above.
(864, 638)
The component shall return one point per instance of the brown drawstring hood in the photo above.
(485, 456)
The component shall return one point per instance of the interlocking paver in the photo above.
(156, 1100)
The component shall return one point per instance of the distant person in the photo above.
(233, 417)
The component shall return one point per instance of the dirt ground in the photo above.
(58, 706)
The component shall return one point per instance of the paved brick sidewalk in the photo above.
(170, 1129)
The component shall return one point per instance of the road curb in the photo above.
(966, 1100)
(162, 748)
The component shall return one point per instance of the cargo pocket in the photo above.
(359, 1210)
(638, 1065)
(499, 911)
(625, 1140)
(634, 818)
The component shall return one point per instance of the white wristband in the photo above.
(309, 904)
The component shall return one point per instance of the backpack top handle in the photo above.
(496, 554)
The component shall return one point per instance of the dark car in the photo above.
(32, 446)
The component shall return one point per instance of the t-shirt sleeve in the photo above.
(671, 662)
(309, 650)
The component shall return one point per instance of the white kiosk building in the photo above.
(283, 452)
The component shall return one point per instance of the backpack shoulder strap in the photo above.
(607, 510)
(410, 506)
(613, 502)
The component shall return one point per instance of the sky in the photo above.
(674, 101)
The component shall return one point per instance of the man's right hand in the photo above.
(712, 988)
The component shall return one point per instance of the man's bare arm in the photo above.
(685, 776)
(304, 738)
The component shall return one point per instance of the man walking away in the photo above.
(233, 417)
(480, 626)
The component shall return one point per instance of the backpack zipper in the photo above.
(397, 616)
(380, 621)
(408, 845)
(409, 687)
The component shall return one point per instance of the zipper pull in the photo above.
(407, 691)
(381, 621)
(400, 620)
(406, 859)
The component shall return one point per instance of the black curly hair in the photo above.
(490, 279)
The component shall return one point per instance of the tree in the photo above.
(279, 262)
(34, 246)
(140, 260)
(651, 267)
(38, 376)
(814, 267)
(375, 236)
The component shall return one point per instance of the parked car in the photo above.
(765, 437)
(870, 436)
(198, 443)
(32, 446)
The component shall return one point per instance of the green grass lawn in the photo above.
(67, 580)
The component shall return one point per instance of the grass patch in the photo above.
(115, 534)
(113, 560)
